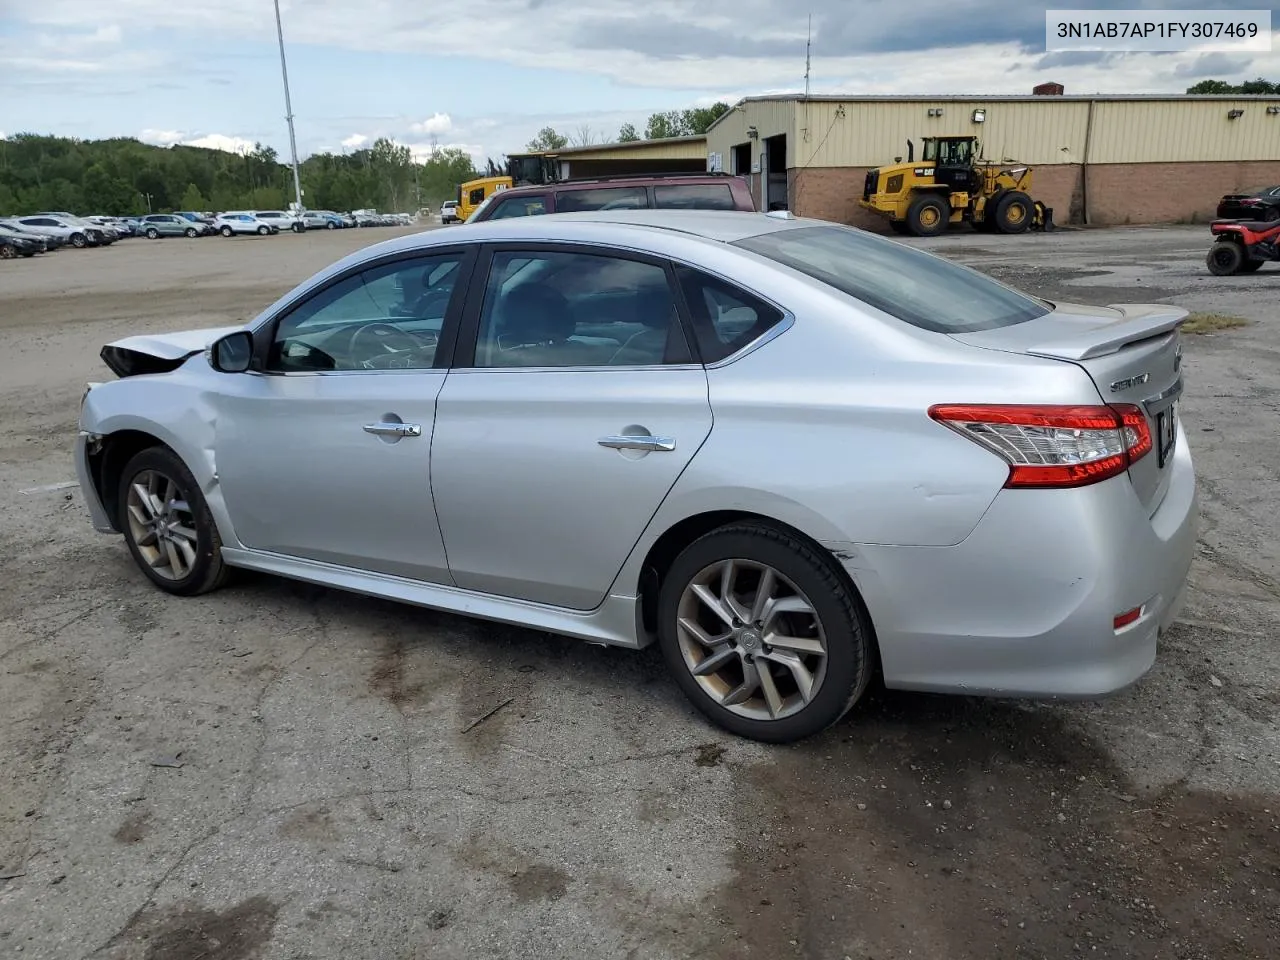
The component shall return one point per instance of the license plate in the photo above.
(1166, 433)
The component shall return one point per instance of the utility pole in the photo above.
(808, 45)
(288, 110)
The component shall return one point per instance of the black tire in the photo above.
(192, 232)
(331, 225)
(226, 231)
(207, 572)
(1248, 266)
(153, 233)
(264, 230)
(1014, 212)
(847, 628)
(7, 252)
(79, 241)
(1225, 258)
(929, 215)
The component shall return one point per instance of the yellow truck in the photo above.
(475, 192)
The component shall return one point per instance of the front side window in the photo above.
(388, 317)
(906, 283)
(694, 196)
(559, 309)
(603, 198)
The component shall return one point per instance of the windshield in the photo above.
(916, 287)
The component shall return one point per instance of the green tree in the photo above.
(684, 123)
(663, 125)
(192, 199)
(627, 133)
(1258, 87)
(105, 192)
(548, 139)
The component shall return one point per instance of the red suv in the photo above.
(671, 192)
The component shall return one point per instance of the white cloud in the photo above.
(436, 123)
(219, 141)
(163, 138)
(355, 141)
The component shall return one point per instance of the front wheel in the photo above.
(763, 634)
(7, 252)
(1014, 212)
(153, 234)
(192, 232)
(79, 241)
(167, 524)
(263, 231)
(225, 231)
(331, 225)
(1225, 258)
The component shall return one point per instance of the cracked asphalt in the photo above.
(282, 772)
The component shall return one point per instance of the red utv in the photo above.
(1242, 246)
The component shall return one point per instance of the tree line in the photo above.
(669, 123)
(1259, 87)
(123, 176)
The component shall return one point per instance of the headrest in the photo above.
(536, 314)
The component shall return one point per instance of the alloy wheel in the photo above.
(162, 525)
(752, 639)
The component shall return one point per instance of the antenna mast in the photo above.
(808, 45)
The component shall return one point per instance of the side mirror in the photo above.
(233, 353)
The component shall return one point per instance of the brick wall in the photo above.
(1118, 193)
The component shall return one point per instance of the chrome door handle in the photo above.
(393, 429)
(662, 444)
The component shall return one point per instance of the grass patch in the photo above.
(1212, 322)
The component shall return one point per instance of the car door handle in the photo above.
(639, 442)
(385, 429)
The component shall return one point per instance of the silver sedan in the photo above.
(791, 453)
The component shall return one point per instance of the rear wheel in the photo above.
(167, 524)
(928, 216)
(1225, 258)
(1013, 212)
(7, 252)
(762, 634)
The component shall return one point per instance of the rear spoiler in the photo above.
(1141, 322)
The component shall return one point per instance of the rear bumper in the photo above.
(1025, 606)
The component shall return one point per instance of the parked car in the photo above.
(281, 219)
(204, 222)
(107, 234)
(789, 452)
(670, 192)
(157, 225)
(13, 245)
(322, 220)
(229, 224)
(73, 232)
(1260, 204)
(46, 243)
(449, 212)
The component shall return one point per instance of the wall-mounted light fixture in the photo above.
(753, 133)
(979, 116)
(1273, 110)
(935, 111)
(1234, 114)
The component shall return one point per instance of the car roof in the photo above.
(626, 180)
(725, 226)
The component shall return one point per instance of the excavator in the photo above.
(952, 184)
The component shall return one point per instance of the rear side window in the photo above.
(725, 318)
(528, 206)
(916, 287)
(694, 196)
(604, 198)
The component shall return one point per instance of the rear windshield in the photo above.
(694, 196)
(906, 283)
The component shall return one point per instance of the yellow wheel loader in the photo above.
(951, 185)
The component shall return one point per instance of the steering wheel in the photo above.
(392, 340)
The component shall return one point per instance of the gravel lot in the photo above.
(281, 771)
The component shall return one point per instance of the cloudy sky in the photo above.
(487, 74)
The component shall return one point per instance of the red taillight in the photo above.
(1053, 446)
(1123, 620)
